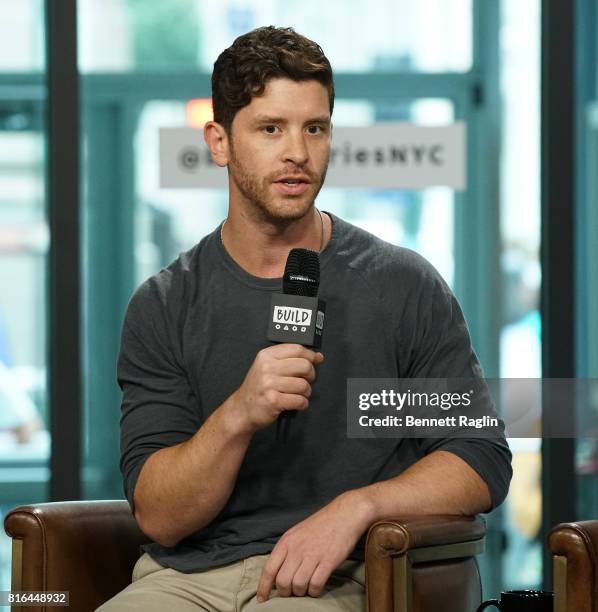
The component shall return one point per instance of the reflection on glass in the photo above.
(520, 340)
(171, 220)
(24, 439)
(586, 461)
(381, 35)
(21, 35)
(587, 446)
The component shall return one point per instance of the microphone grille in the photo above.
(302, 273)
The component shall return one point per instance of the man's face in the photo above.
(279, 149)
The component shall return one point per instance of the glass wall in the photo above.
(428, 62)
(587, 251)
(24, 242)
(427, 36)
(520, 338)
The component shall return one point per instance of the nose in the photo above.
(296, 149)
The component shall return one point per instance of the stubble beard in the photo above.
(262, 205)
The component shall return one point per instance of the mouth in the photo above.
(292, 185)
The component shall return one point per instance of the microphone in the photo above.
(296, 314)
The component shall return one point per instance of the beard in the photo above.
(267, 206)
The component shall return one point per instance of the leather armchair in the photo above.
(574, 547)
(89, 548)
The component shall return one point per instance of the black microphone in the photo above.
(302, 273)
(296, 314)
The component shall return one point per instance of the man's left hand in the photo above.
(305, 556)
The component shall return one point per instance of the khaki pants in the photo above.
(231, 588)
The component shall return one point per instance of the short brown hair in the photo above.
(242, 71)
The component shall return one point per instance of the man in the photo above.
(239, 520)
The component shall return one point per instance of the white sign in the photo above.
(379, 156)
(291, 314)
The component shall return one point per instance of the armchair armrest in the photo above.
(88, 548)
(575, 561)
(423, 563)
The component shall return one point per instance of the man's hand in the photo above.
(305, 556)
(279, 379)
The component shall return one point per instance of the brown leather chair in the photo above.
(574, 547)
(413, 564)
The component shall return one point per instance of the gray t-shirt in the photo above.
(192, 331)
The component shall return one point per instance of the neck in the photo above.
(261, 247)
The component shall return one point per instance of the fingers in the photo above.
(279, 379)
(296, 366)
(269, 572)
(289, 360)
(285, 350)
(301, 579)
(290, 401)
(292, 577)
(297, 386)
(285, 577)
(318, 580)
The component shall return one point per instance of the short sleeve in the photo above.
(441, 348)
(159, 408)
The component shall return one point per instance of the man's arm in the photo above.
(181, 488)
(302, 560)
(439, 483)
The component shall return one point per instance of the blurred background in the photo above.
(146, 65)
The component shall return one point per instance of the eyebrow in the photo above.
(272, 119)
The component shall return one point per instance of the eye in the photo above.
(315, 129)
(269, 129)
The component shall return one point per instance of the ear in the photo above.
(217, 140)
